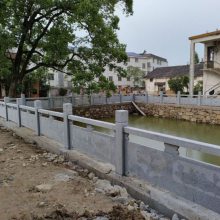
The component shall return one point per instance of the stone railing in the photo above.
(193, 180)
(88, 100)
(180, 99)
(76, 100)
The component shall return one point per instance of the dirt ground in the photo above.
(37, 185)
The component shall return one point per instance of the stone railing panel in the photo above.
(192, 180)
(170, 100)
(52, 128)
(95, 144)
(12, 113)
(2, 109)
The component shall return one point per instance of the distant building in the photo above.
(157, 80)
(211, 70)
(144, 61)
(58, 80)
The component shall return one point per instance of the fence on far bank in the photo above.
(165, 168)
(87, 100)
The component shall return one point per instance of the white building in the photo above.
(211, 69)
(57, 80)
(157, 80)
(145, 61)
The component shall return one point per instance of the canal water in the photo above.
(200, 132)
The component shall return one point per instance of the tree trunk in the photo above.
(15, 82)
(13, 89)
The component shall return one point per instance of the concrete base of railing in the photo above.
(161, 200)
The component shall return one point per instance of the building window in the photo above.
(51, 76)
(69, 84)
(119, 78)
(149, 64)
(143, 66)
(110, 78)
(128, 78)
(159, 62)
(151, 79)
(136, 60)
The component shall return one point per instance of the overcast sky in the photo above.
(162, 27)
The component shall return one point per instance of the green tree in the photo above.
(5, 71)
(103, 84)
(196, 58)
(136, 75)
(198, 87)
(41, 33)
(27, 86)
(179, 83)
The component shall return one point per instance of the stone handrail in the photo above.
(93, 122)
(24, 107)
(175, 141)
(88, 100)
(51, 113)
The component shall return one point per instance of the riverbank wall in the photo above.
(101, 111)
(198, 114)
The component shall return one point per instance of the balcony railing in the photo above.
(210, 64)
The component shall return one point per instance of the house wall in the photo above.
(152, 89)
(124, 82)
(211, 78)
(60, 80)
(37, 87)
(150, 65)
(151, 86)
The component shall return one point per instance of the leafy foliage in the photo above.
(136, 75)
(196, 58)
(77, 37)
(62, 91)
(103, 84)
(27, 85)
(198, 87)
(179, 83)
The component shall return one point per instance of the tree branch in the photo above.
(35, 43)
(53, 65)
(45, 15)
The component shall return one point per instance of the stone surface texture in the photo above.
(199, 114)
(102, 111)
